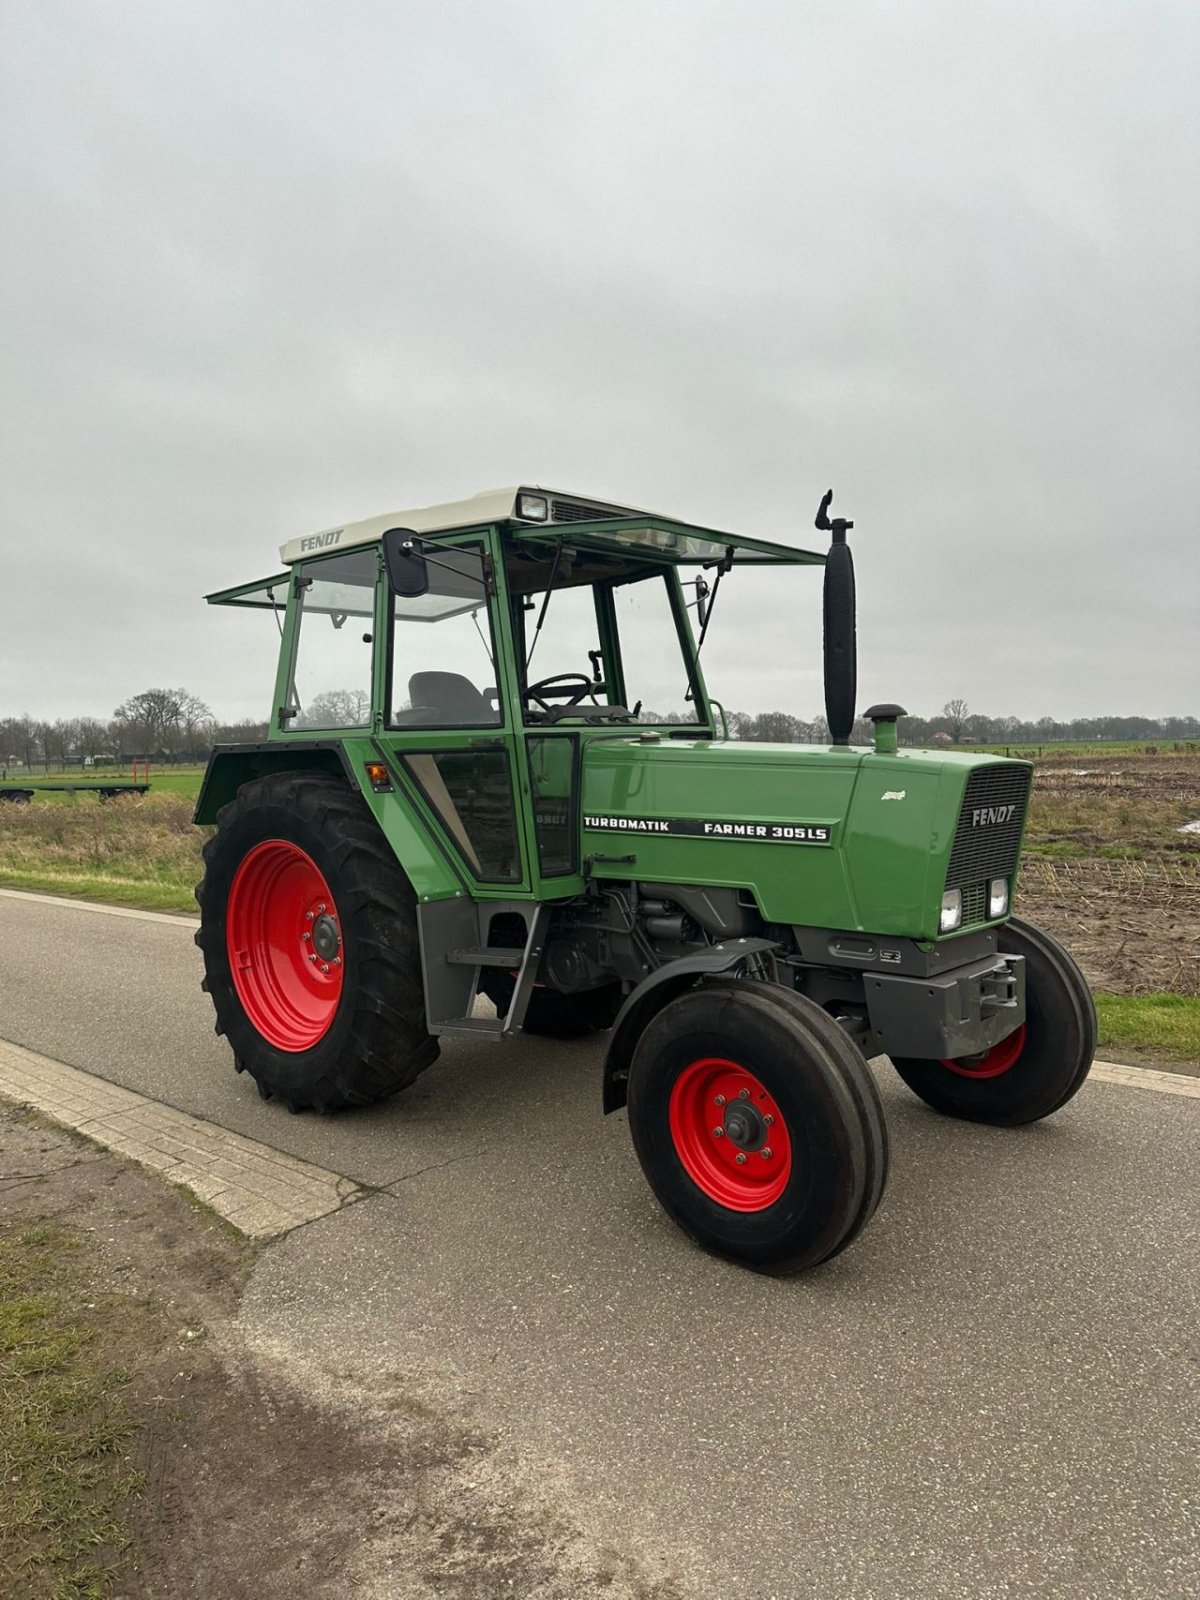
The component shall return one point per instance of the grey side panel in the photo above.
(446, 925)
(864, 952)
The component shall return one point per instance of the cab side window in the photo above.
(443, 668)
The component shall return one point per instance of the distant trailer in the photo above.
(22, 794)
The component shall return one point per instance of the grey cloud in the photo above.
(272, 268)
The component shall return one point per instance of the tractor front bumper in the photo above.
(961, 1012)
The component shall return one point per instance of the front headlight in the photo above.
(951, 914)
(997, 898)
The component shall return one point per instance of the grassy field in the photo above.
(1166, 1026)
(65, 1511)
(163, 780)
(1107, 869)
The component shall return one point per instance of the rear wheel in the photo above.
(308, 929)
(757, 1124)
(1040, 1065)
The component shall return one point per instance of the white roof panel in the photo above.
(491, 505)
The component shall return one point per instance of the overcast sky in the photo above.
(270, 267)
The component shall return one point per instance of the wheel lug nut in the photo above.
(309, 915)
(718, 1133)
(743, 1094)
(306, 937)
(337, 961)
(769, 1120)
(740, 1158)
(312, 958)
(720, 1100)
(322, 906)
(766, 1152)
(324, 966)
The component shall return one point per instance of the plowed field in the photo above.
(1110, 871)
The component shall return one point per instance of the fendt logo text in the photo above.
(988, 816)
(319, 541)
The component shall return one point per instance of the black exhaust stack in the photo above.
(841, 654)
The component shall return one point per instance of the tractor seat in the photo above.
(453, 697)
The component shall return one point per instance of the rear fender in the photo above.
(431, 874)
(658, 990)
(232, 765)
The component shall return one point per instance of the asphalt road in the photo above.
(994, 1392)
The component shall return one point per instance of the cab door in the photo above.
(448, 723)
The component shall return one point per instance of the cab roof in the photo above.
(587, 523)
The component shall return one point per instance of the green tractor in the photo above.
(495, 798)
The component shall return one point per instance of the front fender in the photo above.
(654, 992)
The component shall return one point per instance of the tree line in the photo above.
(957, 724)
(176, 725)
(158, 724)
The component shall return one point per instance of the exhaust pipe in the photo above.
(841, 652)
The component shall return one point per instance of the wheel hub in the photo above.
(326, 940)
(744, 1125)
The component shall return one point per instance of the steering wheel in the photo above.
(570, 688)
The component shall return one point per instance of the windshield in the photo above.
(654, 668)
(644, 668)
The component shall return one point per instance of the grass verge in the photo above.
(137, 852)
(136, 893)
(1166, 1025)
(64, 1424)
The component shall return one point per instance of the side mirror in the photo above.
(701, 600)
(405, 563)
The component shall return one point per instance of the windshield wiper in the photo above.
(722, 566)
(545, 602)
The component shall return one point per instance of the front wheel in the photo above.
(757, 1124)
(1039, 1066)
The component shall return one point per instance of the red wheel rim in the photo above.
(992, 1062)
(713, 1093)
(285, 945)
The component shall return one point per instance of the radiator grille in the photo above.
(988, 837)
(974, 902)
(566, 511)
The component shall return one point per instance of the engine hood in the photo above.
(834, 836)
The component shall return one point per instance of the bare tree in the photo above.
(159, 719)
(196, 721)
(337, 708)
(955, 713)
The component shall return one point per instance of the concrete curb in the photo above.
(261, 1191)
(1146, 1078)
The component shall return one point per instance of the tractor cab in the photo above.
(480, 644)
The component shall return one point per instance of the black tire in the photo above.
(551, 1013)
(824, 1098)
(1055, 1056)
(377, 1041)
